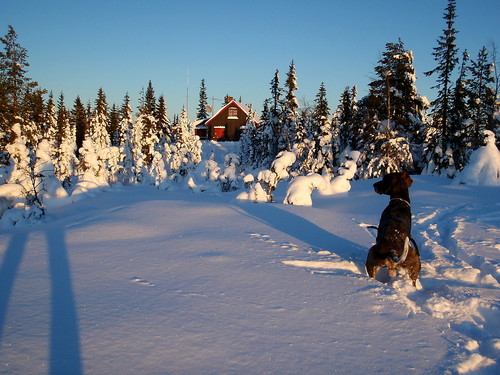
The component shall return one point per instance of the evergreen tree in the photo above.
(187, 151)
(249, 141)
(387, 153)
(34, 120)
(347, 117)
(99, 123)
(21, 156)
(496, 90)
(202, 105)
(273, 120)
(481, 98)
(460, 117)
(15, 93)
(316, 153)
(62, 120)
(445, 54)
(147, 102)
(396, 91)
(395, 97)
(66, 144)
(324, 143)
(113, 128)
(14, 83)
(126, 129)
(290, 111)
(303, 140)
(79, 120)
(163, 122)
(147, 123)
(50, 128)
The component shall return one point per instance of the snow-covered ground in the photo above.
(143, 281)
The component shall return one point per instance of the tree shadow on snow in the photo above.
(65, 356)
(8, 271)
(306, 231)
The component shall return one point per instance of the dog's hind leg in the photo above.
(413, 266)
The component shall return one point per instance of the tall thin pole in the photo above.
(187, 92)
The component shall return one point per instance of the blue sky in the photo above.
(76, 47)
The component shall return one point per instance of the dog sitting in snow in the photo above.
(392, 248)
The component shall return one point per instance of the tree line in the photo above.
(393, 128)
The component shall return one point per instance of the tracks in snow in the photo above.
(459, 281)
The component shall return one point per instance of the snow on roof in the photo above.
(233, 102)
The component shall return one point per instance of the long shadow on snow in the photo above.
(8, 271)
(65, 357)
(305, 231)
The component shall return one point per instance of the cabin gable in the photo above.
(227, 123)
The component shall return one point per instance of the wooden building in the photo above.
(225, 125)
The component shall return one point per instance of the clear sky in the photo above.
(76, 47)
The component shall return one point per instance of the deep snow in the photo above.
(143, 281)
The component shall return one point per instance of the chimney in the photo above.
(229, 99)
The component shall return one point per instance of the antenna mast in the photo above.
(187, 92)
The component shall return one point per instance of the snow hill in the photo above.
(144, 281)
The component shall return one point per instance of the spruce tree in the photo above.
(303, 138)
(126, 129)
(113, 129)
(163, 123)
(460, 117)
(274, 117)
(394, 94)
(481, 98)
(248, 141)
(14, 83)
(290, 111)
(187, 152)
(445, 55)
(147, 123)
(264, 144)
(33, 123)
(62, 120)
(147, 102)
(79, 120)
(315, 152)
(66, 144)
(99, 123)
(347, 116)
(324, 141)
(202, 104)
(50, 129)
(396, 91)
(15, 92)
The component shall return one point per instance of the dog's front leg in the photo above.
(371, 268)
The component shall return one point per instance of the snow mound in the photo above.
(300, 189)
(484, 165)
(256, 194)
(283, 161)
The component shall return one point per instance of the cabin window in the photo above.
(233, 113)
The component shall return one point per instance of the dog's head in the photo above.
(393, 183)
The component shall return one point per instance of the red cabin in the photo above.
(227, 124)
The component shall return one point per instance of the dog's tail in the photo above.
(406, 248)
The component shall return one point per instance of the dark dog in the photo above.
(392, 248)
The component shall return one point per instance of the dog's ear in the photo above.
(407, 179)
